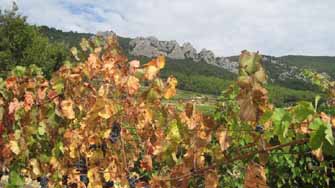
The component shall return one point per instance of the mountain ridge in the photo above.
(283, 70)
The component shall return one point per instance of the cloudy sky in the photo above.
(276, 27)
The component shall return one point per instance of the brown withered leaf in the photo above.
(222, 136)
(146, 163)
(318, 154)
(156, 182)
(211, 179)
(248, 110)
(179, 171)
(255, 176)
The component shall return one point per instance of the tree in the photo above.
(23, 44)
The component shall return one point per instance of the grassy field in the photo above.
(204, 102)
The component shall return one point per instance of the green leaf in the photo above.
(317, 138)
(278, 115)
(19, 71)
(302, 111)
(41, 128)
(316, 124)
(15, 180)
(173, 132)
(329, 134)
(328, 149)
(58, 87)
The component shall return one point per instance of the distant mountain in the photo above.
(284, 71)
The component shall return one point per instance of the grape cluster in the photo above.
(43, 181)
(64, 180)
(115, 133)
(102, 146)
(81, 166)
(108, 184)
(84, 179)
(132, 182)
(259, 129)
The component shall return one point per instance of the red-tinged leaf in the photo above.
(28, 100)
(255, 176)
(146, 163)
(133, 65)
(14, 106)
(11, 83)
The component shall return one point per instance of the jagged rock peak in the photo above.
(106, 33)
(207, 56)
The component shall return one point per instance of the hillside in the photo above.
(196, 71)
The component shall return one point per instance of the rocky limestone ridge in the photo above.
(151, 47)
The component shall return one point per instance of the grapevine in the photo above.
(102, 122)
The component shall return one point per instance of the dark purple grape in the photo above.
(259, 129)
(43, 181)
(81, 166)
(64, 180)
(93, 147)
(132, 182)
(84, 179)
(115, 132)
(104, 148)
(108, 184)
(73, 185)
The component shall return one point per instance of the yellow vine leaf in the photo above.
(223, 139)
(107, 111)
(93, 176)
(14, 147)
(36, 168)
(67, 109)
(151, 72)
(170, 90)
(132, 84)
(318, 154)
(153, 67)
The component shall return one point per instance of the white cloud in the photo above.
(276, 27)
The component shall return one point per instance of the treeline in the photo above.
(22, 44)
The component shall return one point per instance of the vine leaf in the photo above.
(318, 154)
(153, 67)
(28, 100)
(14, 147)
(255, 176)
(222, 136)
(67, 109)
(146, 163)
(170, 90)
(248, 110)
(211, 179)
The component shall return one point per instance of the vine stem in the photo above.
(241, 157)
